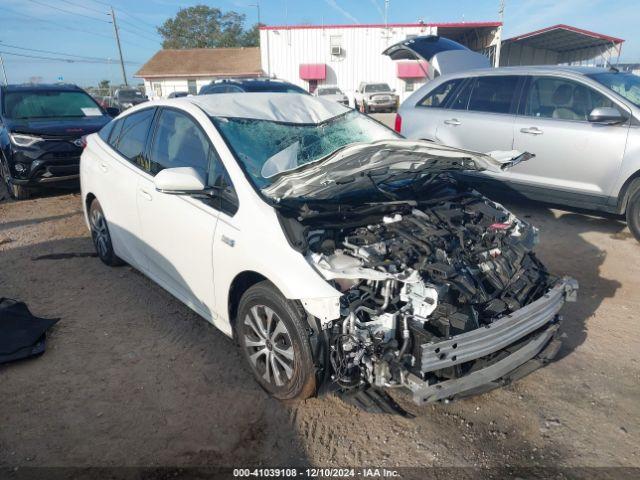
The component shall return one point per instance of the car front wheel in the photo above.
(101, 236)
(17, 192)
(272, 333)
(633, 211)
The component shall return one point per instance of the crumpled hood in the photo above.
(354, 166)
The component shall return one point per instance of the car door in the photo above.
(179, 229)
(482, 115)
(420, 121)
(574, 157)
(117, 170)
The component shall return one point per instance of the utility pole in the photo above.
(386, 10)
(4, 72)
(257, 5)
(496, 60)
(115, 30)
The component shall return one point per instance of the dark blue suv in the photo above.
(41, 130)
(251, 85)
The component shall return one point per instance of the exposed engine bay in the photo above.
(417, 273)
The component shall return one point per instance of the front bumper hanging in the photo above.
(541, 316)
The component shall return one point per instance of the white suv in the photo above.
(335, 252)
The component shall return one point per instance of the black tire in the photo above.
(633, 210)
(17, 192)
(272, 334)
(101, 236)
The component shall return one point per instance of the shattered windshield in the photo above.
(626, 85)
(265, 148)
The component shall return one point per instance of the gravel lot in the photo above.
(133, 377)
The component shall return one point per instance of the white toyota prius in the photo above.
(335, 252)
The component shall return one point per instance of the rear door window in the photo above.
(437, 98)
(553, 97)
(493, 93)
(133, 137)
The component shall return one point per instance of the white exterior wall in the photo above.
(283, 50)
(168, 85)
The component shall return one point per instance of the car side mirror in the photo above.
(181, 181)
(606, 115)
(112, 111)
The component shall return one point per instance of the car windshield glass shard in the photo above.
(626, 85)
(267, 147)
(49, 104)
(377, 87)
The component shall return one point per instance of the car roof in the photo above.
(529, 70)
(295, 108)
(30, 87)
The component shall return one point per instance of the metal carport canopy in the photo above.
(571, 44)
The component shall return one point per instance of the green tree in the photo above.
(202, 26)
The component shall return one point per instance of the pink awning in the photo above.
(313, 71)
(411, 69)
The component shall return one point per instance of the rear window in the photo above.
(492, 94)
(49, 104)
(437, 98)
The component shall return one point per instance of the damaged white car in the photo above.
(336, 253)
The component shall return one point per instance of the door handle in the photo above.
(229, 241)
(145, 194)
(452, 121)
(531, 131)
(104, 167)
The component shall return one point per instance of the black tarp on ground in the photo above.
(22, 335)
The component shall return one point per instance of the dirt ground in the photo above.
(133, 377)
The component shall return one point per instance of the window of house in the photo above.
(157, 89)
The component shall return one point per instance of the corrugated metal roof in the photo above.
(563, 38)
(382, 25)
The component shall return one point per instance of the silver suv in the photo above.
(581, 123)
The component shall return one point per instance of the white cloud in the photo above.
(333, 4)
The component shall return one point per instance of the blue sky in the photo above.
(71, 26)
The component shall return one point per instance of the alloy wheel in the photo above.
(100, 232)
(269, 345)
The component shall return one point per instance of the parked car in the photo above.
(333, 93)
(177, 94)
(124, 98)
(329, 247)
(251, 85)
(41, 134)
(580, 122)
(375, 97)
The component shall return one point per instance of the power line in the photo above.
(55, 23)
(68, 11)
(85, 7)
(82, 57)
(59, 59)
